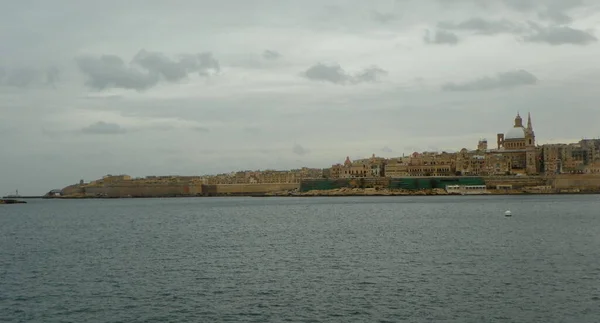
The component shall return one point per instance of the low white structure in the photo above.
(467, 189)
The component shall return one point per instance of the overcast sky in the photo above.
(192, 87)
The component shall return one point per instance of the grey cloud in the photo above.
(371, 74)
(555, 16)
(387, 149)
(560, 36)
(299, 150)
(24, 77)
(21, 77)
(530, 5)
(521, 5)
(383, 17)
(330, 73)
(335, 74)
(271, 55)
(176, 70)
(440, 37)
(482, 26)
(158, 63)
(108, 71)
(208, 64)
(201, 129)
(52, 76)
(103, 128)
(552, 10)
(500, 81)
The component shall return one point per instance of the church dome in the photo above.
(515, 133)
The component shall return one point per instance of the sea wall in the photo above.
(580, 181)
(246, 189)
(149, 190)
(517, 182)
(182, 189)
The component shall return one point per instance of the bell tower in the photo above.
(530, 150)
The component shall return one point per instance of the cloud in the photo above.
(521, 5)
(110, 71)
(500, 81)
(103, 128)
(52, 76)
(335, 74)
(170, 70)
(383, 17)
(560, 36)
(21, 77)
(371, 74)
(555, 16)
(482, 26)
(208, 65)
(271, 55)
(440, 37)
(25, 77)
(551, 10)
(145, 71)
(299, 150)
(387, 149)
(201, 129)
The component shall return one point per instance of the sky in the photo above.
(194, 87)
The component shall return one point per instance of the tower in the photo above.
(482, 145)
(530, 151)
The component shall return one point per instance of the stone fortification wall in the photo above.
(578, 181)
(149, 190)
(517, 182)
(246, 189)
(172, 190)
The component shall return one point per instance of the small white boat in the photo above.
(508, 213)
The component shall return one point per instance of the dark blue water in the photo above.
(388, 259)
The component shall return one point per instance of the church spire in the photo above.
(529, 125)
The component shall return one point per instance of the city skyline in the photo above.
(205, 88)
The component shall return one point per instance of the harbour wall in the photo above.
(517, 182)
(150, 190)
(245, 189)
(579, 181)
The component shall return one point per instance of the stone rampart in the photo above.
(182, 189)
(148, 190)
(517, 182)
(579, 181)
(248, 189)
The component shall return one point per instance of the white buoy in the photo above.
(507, 213)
